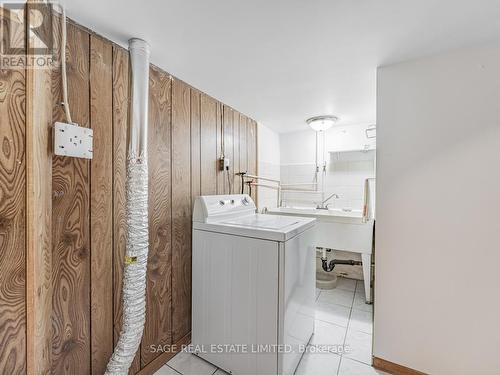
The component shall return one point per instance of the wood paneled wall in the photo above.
(12, 212)
(67, 311)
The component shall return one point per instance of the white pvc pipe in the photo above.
(64, 74)
(134, 276)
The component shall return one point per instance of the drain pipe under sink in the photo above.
(329, 266)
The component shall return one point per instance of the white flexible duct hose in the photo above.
(134, 276)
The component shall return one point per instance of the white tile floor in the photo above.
(342, 318)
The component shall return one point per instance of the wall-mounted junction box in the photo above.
(224, 163)
(72, 140)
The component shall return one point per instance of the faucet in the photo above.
(323, 206)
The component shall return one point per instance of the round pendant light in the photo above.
(322, 123)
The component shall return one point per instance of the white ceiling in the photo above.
(282, 61)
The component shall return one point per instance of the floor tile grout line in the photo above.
(336, 325)
(348, 325)
(351, 308)
(345, 335)
(327, 322)
(333, 303)
(198, 358)
(357, 330)
(340, 364)
(317, 297)
(358, 361)
(333, 324)
(337, 288)
(361, 285)
(353, 292)
(174, 369)
(345, 290)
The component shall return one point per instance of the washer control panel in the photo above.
(214, 207)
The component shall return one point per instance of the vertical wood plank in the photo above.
(243, 147)
(181, 210)
(120, 130)
(12, 213)
(228, 149)
(39, 211)
(209, 150)
(252, 151)
(195, 144)
(158, 296)
(256, 153)
(236, 152)
(101, 203)
(220, 147)
(70, 222)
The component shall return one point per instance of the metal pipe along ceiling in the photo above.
(134, 276)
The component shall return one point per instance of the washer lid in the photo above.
(272, 222)
(266, 227)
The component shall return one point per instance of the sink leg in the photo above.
(366, 259)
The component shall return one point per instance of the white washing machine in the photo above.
(253, 286)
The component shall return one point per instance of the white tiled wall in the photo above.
(346, 170)
(268, 165)
(299, 174)
(267, 197)
(345, 175)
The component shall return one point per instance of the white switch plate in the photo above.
(72, 140)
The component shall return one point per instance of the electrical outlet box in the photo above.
(224, 163)
(73, 140)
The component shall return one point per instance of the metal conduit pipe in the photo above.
(272, 187)
(251, 176)
(134, 275)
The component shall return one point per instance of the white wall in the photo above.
(299, 147)
(438, 207)
(345, 171)
(268, 150)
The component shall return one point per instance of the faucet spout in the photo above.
(323, 206)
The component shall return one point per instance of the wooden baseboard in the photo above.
(394, 368)
(163, 358)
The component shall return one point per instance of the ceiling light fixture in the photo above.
(322, 123)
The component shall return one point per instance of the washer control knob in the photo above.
(222, 203)
(245, 201)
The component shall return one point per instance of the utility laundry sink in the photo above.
(340, 229)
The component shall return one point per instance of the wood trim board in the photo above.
(394, 368)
